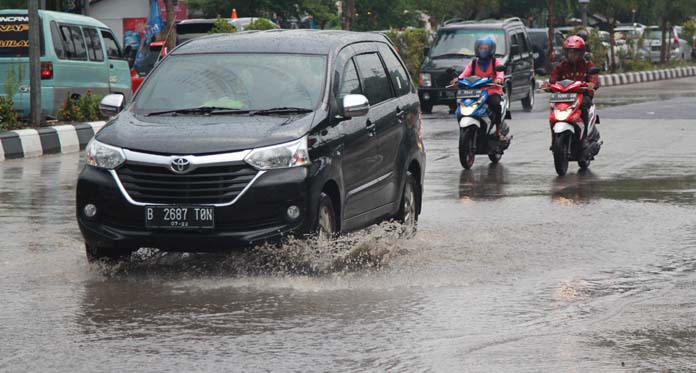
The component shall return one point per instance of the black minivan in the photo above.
(239, 139)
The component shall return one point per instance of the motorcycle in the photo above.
(571, 140)
(477, 133)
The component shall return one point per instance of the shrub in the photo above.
(88, 105)
(632, 64)
(260, 24)
(8, 114)
(222, 26)
(70, 110)
(410, 45)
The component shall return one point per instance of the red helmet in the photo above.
(574, 42)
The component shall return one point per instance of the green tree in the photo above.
(612, 10)
(222, 26)
(260, 24)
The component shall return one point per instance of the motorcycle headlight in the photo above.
(292, 154)
(425, 80)
(104, 156)
(467, 110)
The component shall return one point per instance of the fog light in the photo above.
(426, 96)
(293, 212)
(90, 210)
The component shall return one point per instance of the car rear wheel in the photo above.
(408, 212)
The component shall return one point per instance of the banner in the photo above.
(14, 35)
(153, 26)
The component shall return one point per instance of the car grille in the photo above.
(204, 185)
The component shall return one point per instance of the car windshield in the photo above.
(233, 81)
(461, 41)
(655, 34)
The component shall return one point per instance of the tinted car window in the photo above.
(514, 46)
(524, 48)
(397, 73)
(73, 42)
(538, 39)
(461, 41)
(93, 45)
(375, 82)
(237, 81)
(350, 82)
(58, 46)
(112, 49)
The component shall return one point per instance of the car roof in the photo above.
(483, 24)
(61, 17)
(277, 41)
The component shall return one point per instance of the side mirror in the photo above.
(111, 105)
(593, 71)
(426, 51)
(500, 68)
(355, 106)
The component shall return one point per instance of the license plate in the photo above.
(180, 217)
(447, 94)
(469, 93)
(562, 97)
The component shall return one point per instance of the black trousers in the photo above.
(494, 106)
(585, 108)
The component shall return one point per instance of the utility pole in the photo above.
(34, 63)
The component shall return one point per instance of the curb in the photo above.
(29, 143)
(642, 76)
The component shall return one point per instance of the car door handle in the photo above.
(370, 127)
(400, 113)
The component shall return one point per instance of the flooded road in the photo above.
(512, 269)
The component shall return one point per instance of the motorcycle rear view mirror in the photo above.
(500, 68)
(593, 71)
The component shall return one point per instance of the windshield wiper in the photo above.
(282, 110)
(449, 55)
(213, 110)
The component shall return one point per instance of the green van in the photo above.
(78, 54)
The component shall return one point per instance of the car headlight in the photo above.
(292, 154)
(425, 80)
(104, 156)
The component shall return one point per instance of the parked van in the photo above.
(78, 54)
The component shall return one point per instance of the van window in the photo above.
(375, 82)
(524, 48)
(514, 46)
(350, 82)
(113, 51)
(14, 36)
(397, 73)
(57, 41)
(93, 44)
(73, 43)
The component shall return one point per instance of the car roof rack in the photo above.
(512, 19)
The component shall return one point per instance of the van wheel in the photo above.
(528, 102)
(95, 254)
(426, 108)
(408, 212)
(326, 217)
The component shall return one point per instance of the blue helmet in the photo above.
(485, 40)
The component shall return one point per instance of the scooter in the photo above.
(571, 140)
(477, 133)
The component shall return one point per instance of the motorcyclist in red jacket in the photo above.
(575, 67)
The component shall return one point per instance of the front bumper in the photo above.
(437, 96)
(258, 216)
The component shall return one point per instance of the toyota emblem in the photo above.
(181, 165)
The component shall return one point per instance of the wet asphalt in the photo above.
(512, 269)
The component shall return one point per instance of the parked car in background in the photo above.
(78, 54)
(678, 49)
(278, 133)
(192, 28)
(453, 49)
(538, 38)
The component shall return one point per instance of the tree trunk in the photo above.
(663, 49)
(350, 13)
(170, 28)
(34, 63)
(612, 43)
(550, 22)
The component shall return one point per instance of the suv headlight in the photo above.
(292, 154)
(425, 80)
(104, 156)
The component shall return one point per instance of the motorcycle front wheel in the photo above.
(467, 147)
(561, 152)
